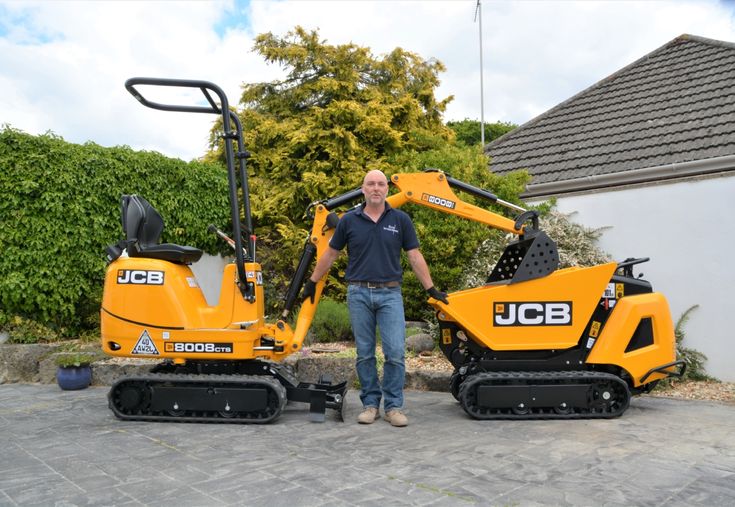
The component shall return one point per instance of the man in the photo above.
(375, 234)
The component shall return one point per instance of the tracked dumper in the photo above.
(536, 341)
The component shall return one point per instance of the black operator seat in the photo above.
(142, 226)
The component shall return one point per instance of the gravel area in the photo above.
(690, 389)
(698, 390)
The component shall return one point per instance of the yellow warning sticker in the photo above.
(595, 329)
(619, 290)
(446, 336)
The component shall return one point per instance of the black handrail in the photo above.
(223, 109)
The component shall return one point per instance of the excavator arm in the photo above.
(431, 188)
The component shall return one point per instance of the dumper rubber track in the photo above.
(544, 395)
(198, 398)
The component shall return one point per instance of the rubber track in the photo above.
(596, 409)
(276, 398)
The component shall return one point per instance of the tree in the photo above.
(339, 112)
(469, 131)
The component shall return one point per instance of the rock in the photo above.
(427, 380)
(47, 370)
(309, 368)
(108, 371)
(420, 342)
(20, 362)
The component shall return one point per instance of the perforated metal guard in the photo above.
(526, 259)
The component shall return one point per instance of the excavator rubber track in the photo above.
(544, 395)
(210, 398)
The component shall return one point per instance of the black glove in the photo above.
(309, 291)
(438, 295)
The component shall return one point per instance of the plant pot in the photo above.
(74, 377)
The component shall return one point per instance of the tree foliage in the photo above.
(61, 207)
(339, 112)
(469, 132)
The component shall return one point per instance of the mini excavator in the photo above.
(219, 363)
(534, 341)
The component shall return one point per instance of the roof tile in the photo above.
(676, 104)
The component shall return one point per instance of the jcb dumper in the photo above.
(536, 341)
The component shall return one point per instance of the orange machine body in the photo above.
(613, 347)
(154, 308)
(546, 313)
(557, 313)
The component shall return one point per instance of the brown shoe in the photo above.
(396, 418)
(368, 415)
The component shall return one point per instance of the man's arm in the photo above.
(322, 266)
(324, 263)
(419, 266)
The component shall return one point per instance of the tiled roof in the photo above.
(674, 105)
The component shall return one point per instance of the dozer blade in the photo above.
(320, 397)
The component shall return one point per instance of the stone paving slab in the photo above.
(65, 448)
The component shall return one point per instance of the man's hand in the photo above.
(309, 291)
(438, 295)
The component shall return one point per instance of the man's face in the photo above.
(375, 188)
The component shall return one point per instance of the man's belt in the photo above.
(376, 285)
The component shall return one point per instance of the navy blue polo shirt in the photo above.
(374, 248)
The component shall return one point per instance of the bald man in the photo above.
(375, 234)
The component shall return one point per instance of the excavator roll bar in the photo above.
(228, 117)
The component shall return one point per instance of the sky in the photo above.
(63, 64)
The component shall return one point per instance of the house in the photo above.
(648, 154)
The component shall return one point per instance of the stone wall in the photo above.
(35, 364)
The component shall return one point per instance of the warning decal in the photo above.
(145, 345)
(609, 291)
(446, 336)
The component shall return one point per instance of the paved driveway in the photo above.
(66, 448)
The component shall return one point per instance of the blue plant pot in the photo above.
(72, 378)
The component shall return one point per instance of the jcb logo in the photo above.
(556, 313)
(139, 277)
(432, 199)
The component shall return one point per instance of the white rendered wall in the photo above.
(688, 231)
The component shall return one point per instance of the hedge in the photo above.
(60, 208)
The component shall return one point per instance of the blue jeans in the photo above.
(383, 307)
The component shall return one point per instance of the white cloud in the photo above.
(63, 64)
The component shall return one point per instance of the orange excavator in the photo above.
(534, 341)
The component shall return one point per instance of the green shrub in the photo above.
(331, 322)
(469, 132)
(61, 208)
(75, 359)
(694, 359)
(23, 330)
